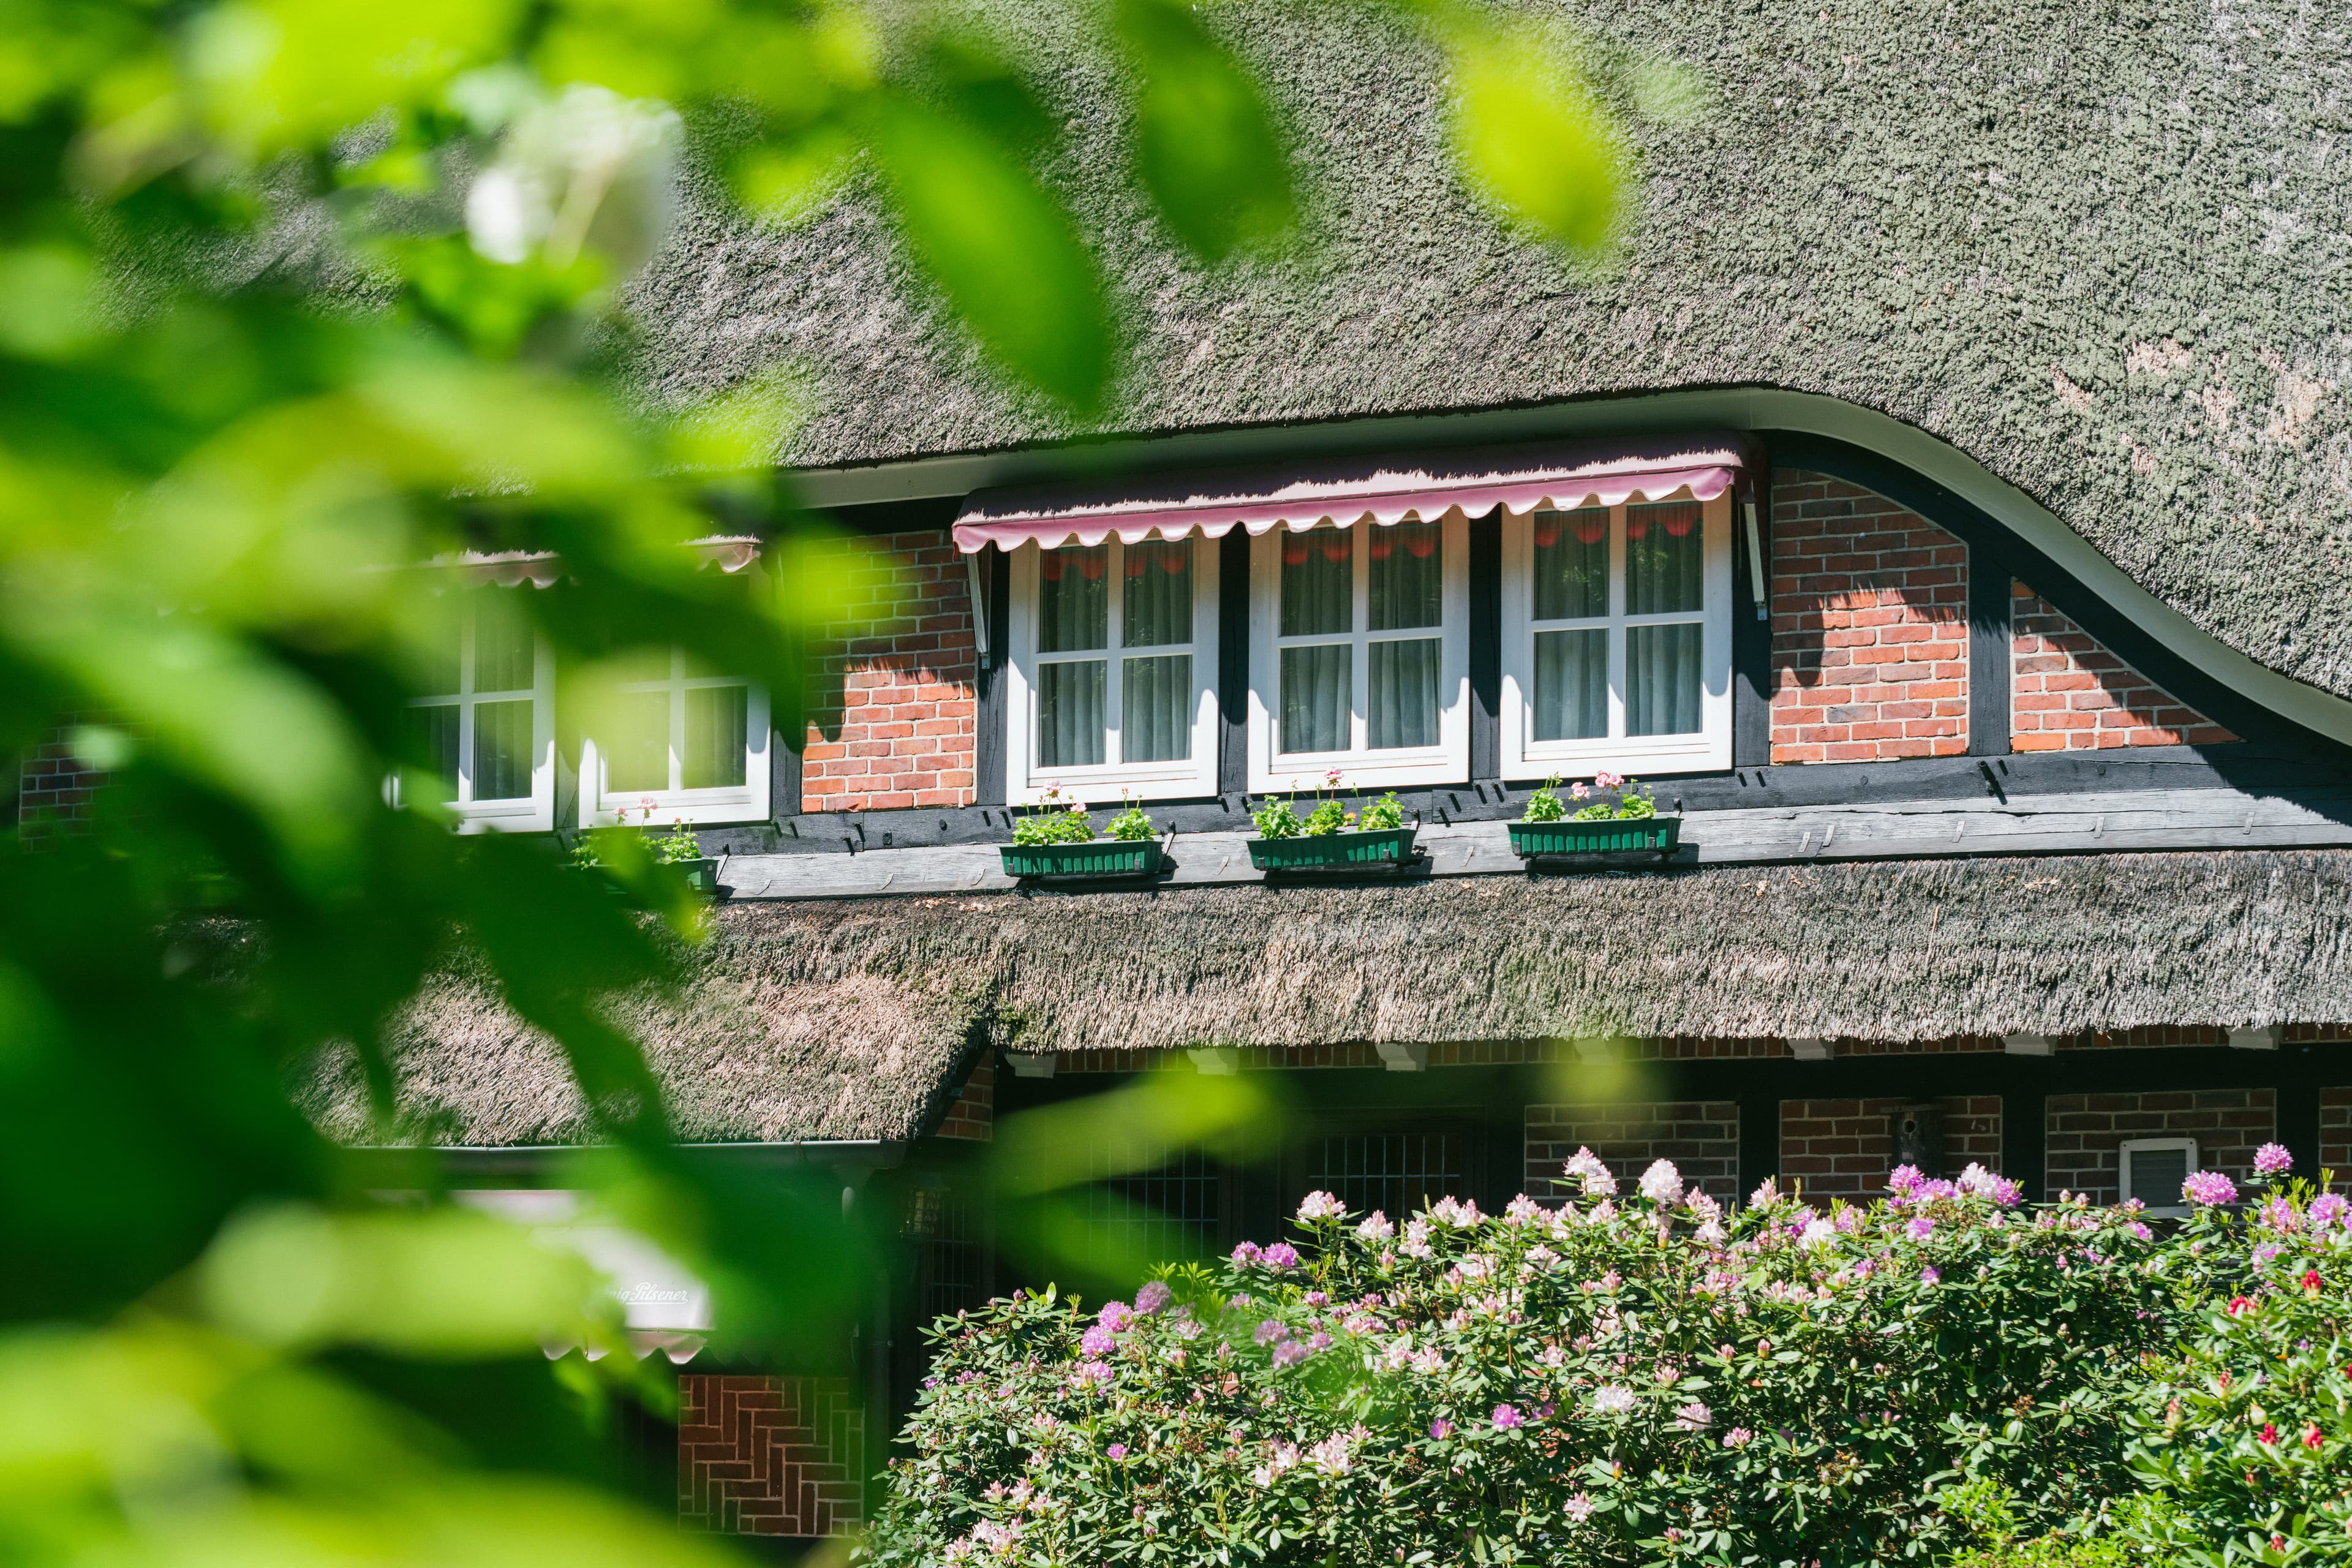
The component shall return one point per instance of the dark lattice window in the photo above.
(1395, 1172)
(941, 1221)
(1172, 1210)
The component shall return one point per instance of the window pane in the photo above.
(1408, 575)
(439, 677)
(1661, 680)
(436, 728)
(1157, 609)
(1156, 709)
(1571, 688)
(1073, 600)
(503, 643)
(2157, 1176)
(636, 750)
(501, 750)
(1070, 714)
(1317, 694)
(1319, 582)
(717, 723)
(1661, 559)
(1404, 694)
(1571, 564)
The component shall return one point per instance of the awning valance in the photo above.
(544, 568)
(1420, 488)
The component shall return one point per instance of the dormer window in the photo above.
(487, 723)
(681, 743)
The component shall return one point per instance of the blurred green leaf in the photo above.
(1533, 137)
(1206, 146)
(1000, 248)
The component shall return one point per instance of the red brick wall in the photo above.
(894, 721)
(2068, 693)
(2085, 1132)
(55, 786)
(2335, 1135)
(769, 1456)
(1844, 1147)
(1870, 630)
(973, 1114)
(1701, 1137)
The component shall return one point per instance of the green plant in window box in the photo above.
(1612, 813)
(1131, 827)
(1059, 840)
(1330, 836)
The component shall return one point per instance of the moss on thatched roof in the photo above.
(1983, 221)
(851, 1019)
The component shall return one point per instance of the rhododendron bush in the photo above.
(1629, 1378)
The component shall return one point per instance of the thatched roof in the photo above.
(745, 1055)
(850, 1018)
(1984, 222)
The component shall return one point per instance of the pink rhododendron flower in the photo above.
(1506, 1417)
(1920, 1228)
(1905, 1179)
(1739, 1438)
(1586, 1166)
(1152, 1295)
(1320, 1206)
(1115, 1315)
(2311, 1440)
(1694, 1417)
(1330, 1456)
(1440, 1429)
(1247, 1252)
(1931, 1275)
(1610, 1399)
(1115, 1451)
(1579, 1509)
(2268, 1437)
(1093, 1374)
(1281, 1255)
(1271, 1329)
(1097, 1340)
(1662, 1183)
(2272, 1160)
(2210, 1188)
(1289, 1352)
(2328, 1209)
(1375, 1228)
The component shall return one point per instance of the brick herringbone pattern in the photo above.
(769, 1455)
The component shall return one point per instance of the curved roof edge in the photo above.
(1737, 408)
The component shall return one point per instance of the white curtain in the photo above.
(1571, 685)
(1157, 608)
(1571, 565)
(501, 768)
(1318, 692)
(717, 721)
(1319, 582)
(1404, 679)
(1071, 718)
(1073, 600)
(1661, 680)
(1664, 551)
(1156, 702)
(1407, 576)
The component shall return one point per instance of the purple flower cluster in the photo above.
(2210, 1189)
(1278, 1256)
(2272, 1160)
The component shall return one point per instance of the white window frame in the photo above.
(746, 801)
(1025, 783)
(1709, 750)
(2130, 1146)
(534, 813)
(1446, 763)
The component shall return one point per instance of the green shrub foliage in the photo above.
(1644, 1378)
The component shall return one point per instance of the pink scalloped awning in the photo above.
(1423, 487)
(544, 568)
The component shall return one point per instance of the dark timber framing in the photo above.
(1486, 632)
(1752, 629)
(1232, 662)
